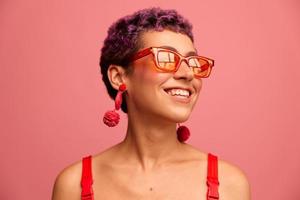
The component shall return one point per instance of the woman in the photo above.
(152, 70)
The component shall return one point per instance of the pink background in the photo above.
(53, 99)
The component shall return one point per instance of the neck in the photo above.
(150, 142)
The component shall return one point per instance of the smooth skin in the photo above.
(150, 163)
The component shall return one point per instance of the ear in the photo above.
(116, 75)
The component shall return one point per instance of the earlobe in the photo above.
(116, 75)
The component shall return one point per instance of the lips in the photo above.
(180, 94)
(179, 90)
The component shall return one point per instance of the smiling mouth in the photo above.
(179, 94)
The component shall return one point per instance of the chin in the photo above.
(177, 109)
(179, 115)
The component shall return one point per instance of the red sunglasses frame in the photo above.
(155, 50)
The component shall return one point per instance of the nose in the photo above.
(184, 71)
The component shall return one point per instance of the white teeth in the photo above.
(179, 92)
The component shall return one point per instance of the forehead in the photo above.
(175, 41)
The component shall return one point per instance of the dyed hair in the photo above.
(123, 39)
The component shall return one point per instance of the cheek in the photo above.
(146, 86)
(198, 85)
(148, 76)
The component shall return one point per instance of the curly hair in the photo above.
(122, 39)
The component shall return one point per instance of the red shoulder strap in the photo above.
(212, 177)
(87, 179)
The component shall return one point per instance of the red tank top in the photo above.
(211, 181)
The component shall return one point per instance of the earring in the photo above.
(183, 133)
(111, 118)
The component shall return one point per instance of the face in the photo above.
(168, 96)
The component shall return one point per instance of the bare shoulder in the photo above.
(67, 183)
(234, 183)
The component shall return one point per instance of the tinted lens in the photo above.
(167, 60)
(201, 67)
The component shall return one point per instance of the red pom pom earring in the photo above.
(183, 133)
(111, 118)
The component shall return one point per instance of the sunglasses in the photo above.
(167, 60)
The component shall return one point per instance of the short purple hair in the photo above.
(123, 39)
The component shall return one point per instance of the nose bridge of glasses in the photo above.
(182, 60)
(184, 69)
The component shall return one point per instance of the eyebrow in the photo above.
(190, 53)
